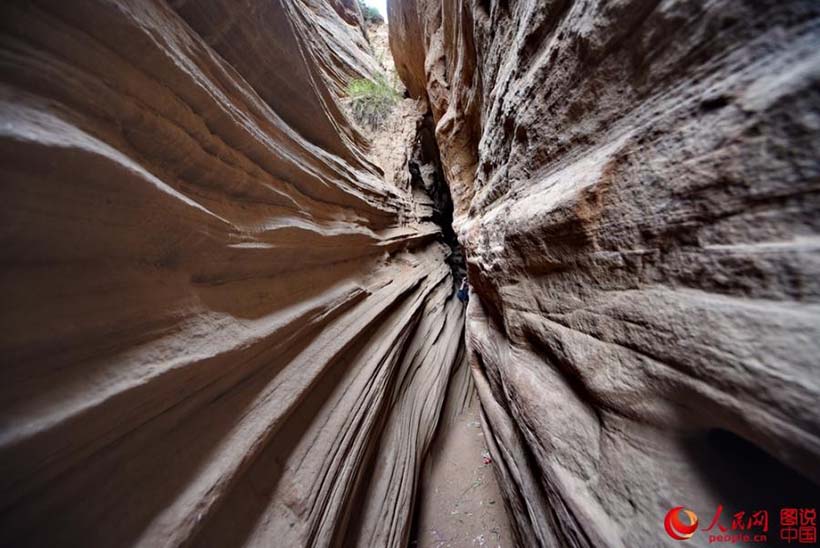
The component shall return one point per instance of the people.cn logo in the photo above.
(675, 526)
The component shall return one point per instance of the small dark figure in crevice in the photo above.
(464, 291)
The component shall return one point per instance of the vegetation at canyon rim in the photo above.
(371, 100)
(371, 14)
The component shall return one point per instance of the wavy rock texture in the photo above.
(220, 325)
(636, 188)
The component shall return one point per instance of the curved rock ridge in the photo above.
(221, 326)
(636, 188)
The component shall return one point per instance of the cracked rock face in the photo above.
(221, 326)
(636, 190)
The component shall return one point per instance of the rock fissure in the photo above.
(426, 174)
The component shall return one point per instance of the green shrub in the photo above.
(371, 101)
(371, 15)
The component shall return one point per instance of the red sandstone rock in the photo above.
(220, 325)
(636, 190)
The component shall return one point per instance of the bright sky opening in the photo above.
(380, 5)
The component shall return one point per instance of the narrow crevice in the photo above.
(427, 174)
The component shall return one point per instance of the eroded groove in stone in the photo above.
(220, 326)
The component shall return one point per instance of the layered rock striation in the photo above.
(636, 189)
(221, 325)
(227, 322)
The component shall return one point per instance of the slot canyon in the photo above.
(234, 315)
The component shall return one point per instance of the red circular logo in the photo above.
(676, 528)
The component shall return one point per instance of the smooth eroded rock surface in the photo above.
(636, 189)
(221, 326)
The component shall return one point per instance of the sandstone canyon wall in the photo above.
(224, 325)
(636, 186)
(221, 326)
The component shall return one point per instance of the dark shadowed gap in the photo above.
(426, 173)
(744, 477)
